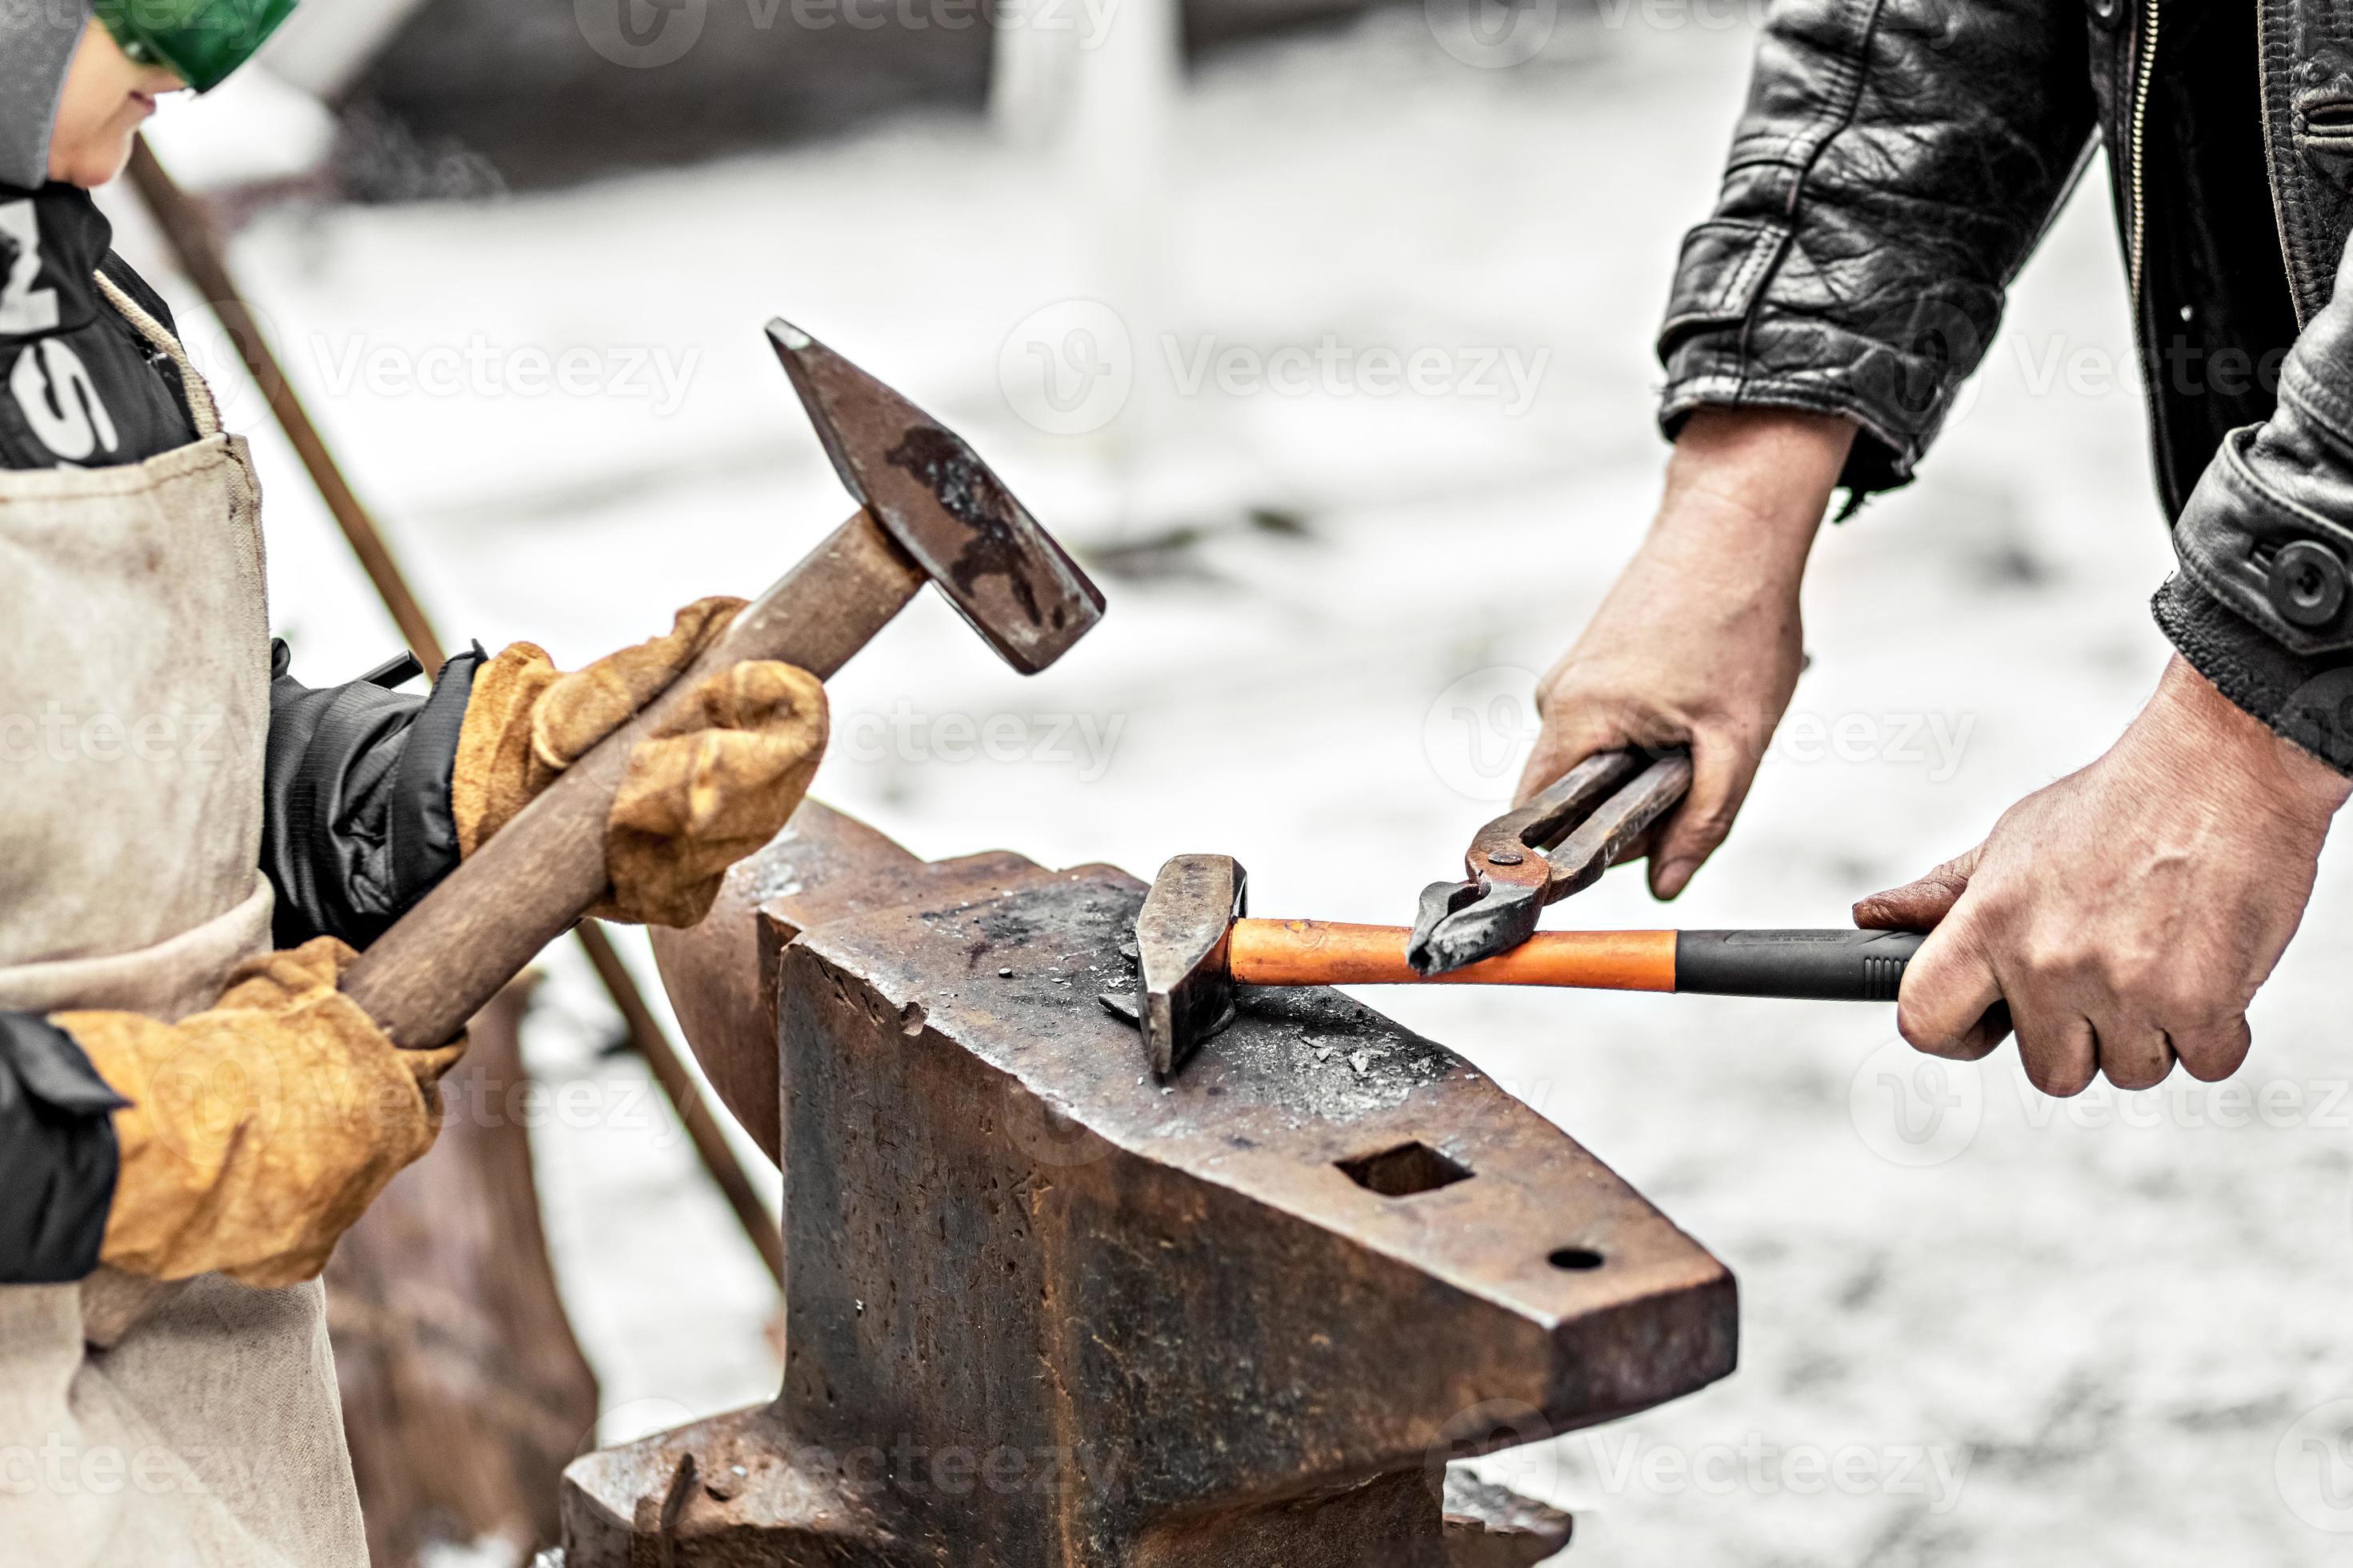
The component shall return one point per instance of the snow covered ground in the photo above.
(1978, 1326)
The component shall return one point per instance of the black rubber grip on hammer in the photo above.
(1838, 965)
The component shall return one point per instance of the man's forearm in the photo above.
(1698, 642)
(2213, 735)
(1756, 482)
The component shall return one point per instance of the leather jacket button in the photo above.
(2307, 583)
(2105, 10)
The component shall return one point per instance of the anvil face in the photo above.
(1246, 1313)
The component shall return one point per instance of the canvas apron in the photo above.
(143, 1425)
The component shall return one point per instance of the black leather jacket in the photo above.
(1899, 159)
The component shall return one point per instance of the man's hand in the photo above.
(1698, 642)
(700, 795)
(2128, 912)
(259, 1130)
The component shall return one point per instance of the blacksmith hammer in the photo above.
(1195, 946)
(930, 512)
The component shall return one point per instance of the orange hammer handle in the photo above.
(1333, 953)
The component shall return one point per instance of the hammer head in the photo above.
(1181, 947)
(1003, 572)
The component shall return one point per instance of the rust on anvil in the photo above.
(1042, 1313)
(1003, 572)
(721, 973)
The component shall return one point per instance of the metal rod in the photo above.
(199, 254)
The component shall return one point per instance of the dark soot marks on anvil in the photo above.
(1292, 1048)
(1093, 918)
(1062, 921)
(971, 495)
(1271, 1052)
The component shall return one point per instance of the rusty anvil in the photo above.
(1043, 1312)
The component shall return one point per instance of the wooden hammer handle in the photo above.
(448, 956)
(1331, 952)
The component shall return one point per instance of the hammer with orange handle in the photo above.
(1195, 945)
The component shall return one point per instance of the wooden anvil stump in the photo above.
(1045, 1312)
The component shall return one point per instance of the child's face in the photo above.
(107, 98)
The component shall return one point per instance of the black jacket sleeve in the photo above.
(356, 824)
(58, 1155)
(2261, 604)
(1896, 162)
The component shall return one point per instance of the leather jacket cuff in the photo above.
(58, 1155)
(2261, 532)
(1727, 342)
(2269, 530)
(2306, 698)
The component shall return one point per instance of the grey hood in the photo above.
(36, 44)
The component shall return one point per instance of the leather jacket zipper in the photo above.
(2144, 77)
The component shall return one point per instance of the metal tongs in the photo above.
(1557, 843)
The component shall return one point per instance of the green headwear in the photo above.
(201, 41)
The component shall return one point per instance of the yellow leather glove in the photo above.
(260, 1129)
(715, 785)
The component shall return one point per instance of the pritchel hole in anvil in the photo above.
(1405, 1171)
(1575, 1258)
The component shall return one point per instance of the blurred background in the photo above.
(1322, 331)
